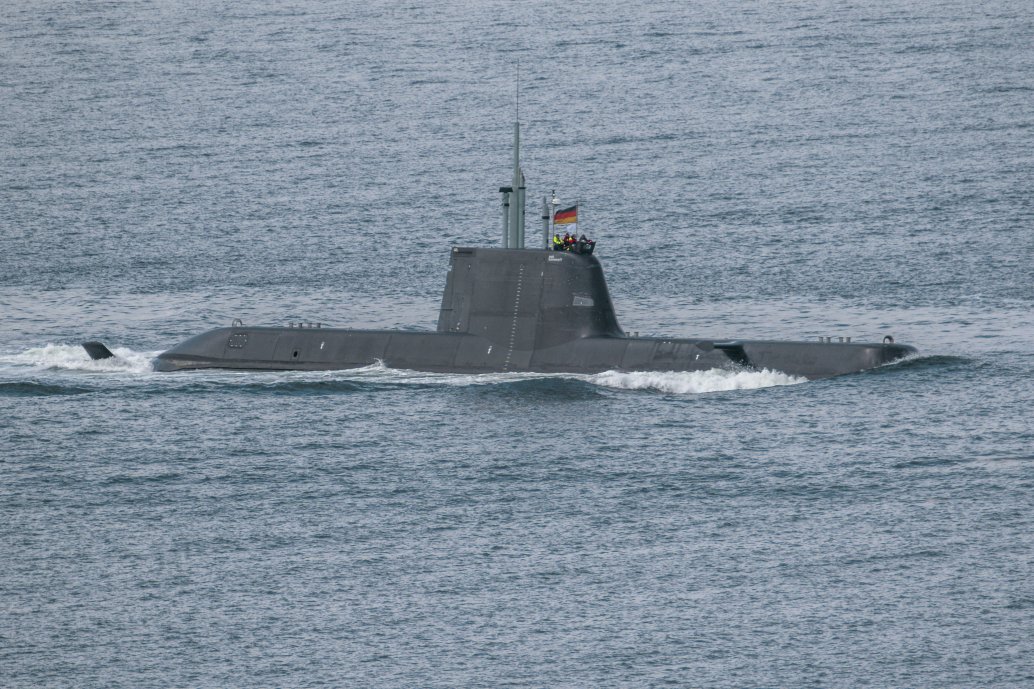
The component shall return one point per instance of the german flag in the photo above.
(566, 216)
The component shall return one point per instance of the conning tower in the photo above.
(525, 301)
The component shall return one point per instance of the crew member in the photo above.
(558, 245)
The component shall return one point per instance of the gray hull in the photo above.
(516, 310)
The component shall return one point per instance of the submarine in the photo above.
(514, 309)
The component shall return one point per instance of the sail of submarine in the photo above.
(514, 309)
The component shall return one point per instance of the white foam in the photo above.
(677, 382)
(694, 382)
(75, 358)
(378, 371)
(57, 357)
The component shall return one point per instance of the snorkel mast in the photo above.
(513, 199)
(514, 195)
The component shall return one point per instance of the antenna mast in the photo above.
(514, 195)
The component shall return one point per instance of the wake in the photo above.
(56, 357)
(73, 358)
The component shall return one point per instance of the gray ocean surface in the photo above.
(755, 170)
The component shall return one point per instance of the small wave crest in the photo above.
(923, 361)
(32, 388)
(677, 382)
(523, 384)
(380, 377)
(58, 357)
(694, 382)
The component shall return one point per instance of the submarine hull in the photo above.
(321, 349)
(517, 310)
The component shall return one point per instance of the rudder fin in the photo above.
(97, 350)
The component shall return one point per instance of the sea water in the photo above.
(787, 171)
